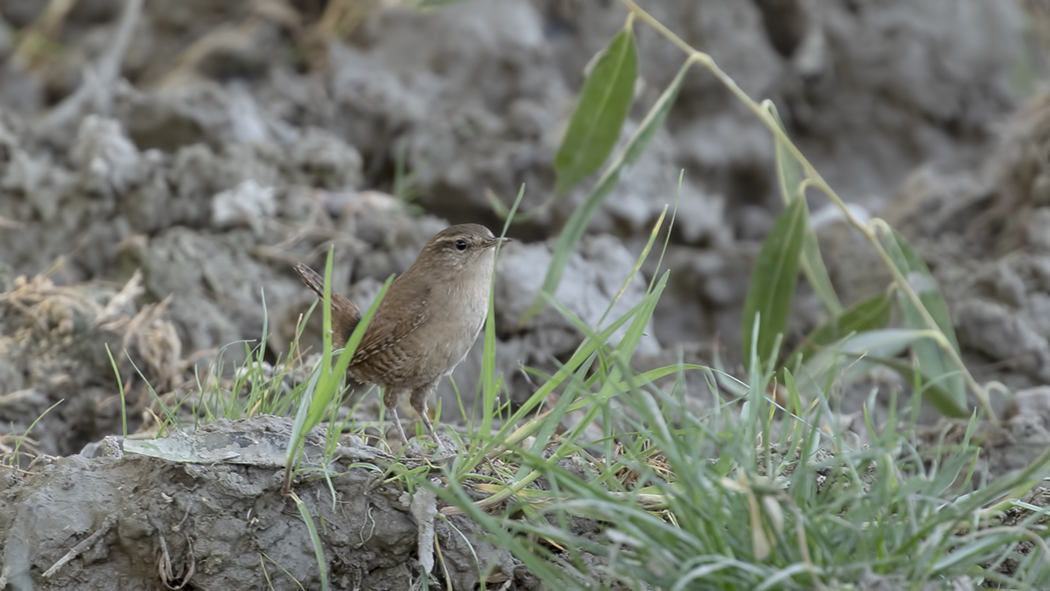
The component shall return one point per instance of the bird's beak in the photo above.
(495, 240)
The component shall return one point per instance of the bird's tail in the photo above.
(345, 313)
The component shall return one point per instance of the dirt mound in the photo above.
(211, 515)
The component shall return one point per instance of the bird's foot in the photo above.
(433, 434)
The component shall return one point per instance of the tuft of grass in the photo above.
(325, 386)
(254, 387)
(752, 495)
(13, 457)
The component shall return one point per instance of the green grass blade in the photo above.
(870, 314)
(789, 172)
(637, 265)
(773, 282)
(611, 385)
(21, 439)
(120, 388)
(661, 372)
(584, 355)
(933, 360)
(329, 384)
(315, 540)
(324, 384)
(604, 102)
(577, 224)
(489, 385)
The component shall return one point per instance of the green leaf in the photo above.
(773, 282)
(790, 174)
(817, 273)
(854, 355)
(577, 224)
(868, 314)
(932, 390)
(600, 113)
(934, 362)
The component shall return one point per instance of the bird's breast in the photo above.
(453, 328)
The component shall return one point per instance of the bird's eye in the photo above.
(461, 245)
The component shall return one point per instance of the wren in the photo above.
(425, 324)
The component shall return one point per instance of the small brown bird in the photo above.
(427, 321)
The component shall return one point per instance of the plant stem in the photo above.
(868, 230)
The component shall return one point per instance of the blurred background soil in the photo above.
(210, 145)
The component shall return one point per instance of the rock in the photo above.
(1038, 230)
(1015, 170)
(1033, 402)
(1023, 435)
(202, 112)
(991, 329)
(649, 186)
(105, 156)
(1009, 287)
(215, 286)
(903, 101)
(705, 294)
(320, 159)
(248, 204)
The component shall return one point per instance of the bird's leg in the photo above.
(397, 421)
(391, 398)
(419, 404)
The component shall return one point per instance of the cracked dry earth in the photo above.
(136, 514)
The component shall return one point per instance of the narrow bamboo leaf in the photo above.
(790, 174)
(577, 224)
(933, 361)
(852, 356)
(921, 280)
(817, 273)
(869, 314)
(773, 282)
(600, 113)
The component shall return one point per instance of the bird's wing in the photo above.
(398, 319)
(345, 313)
